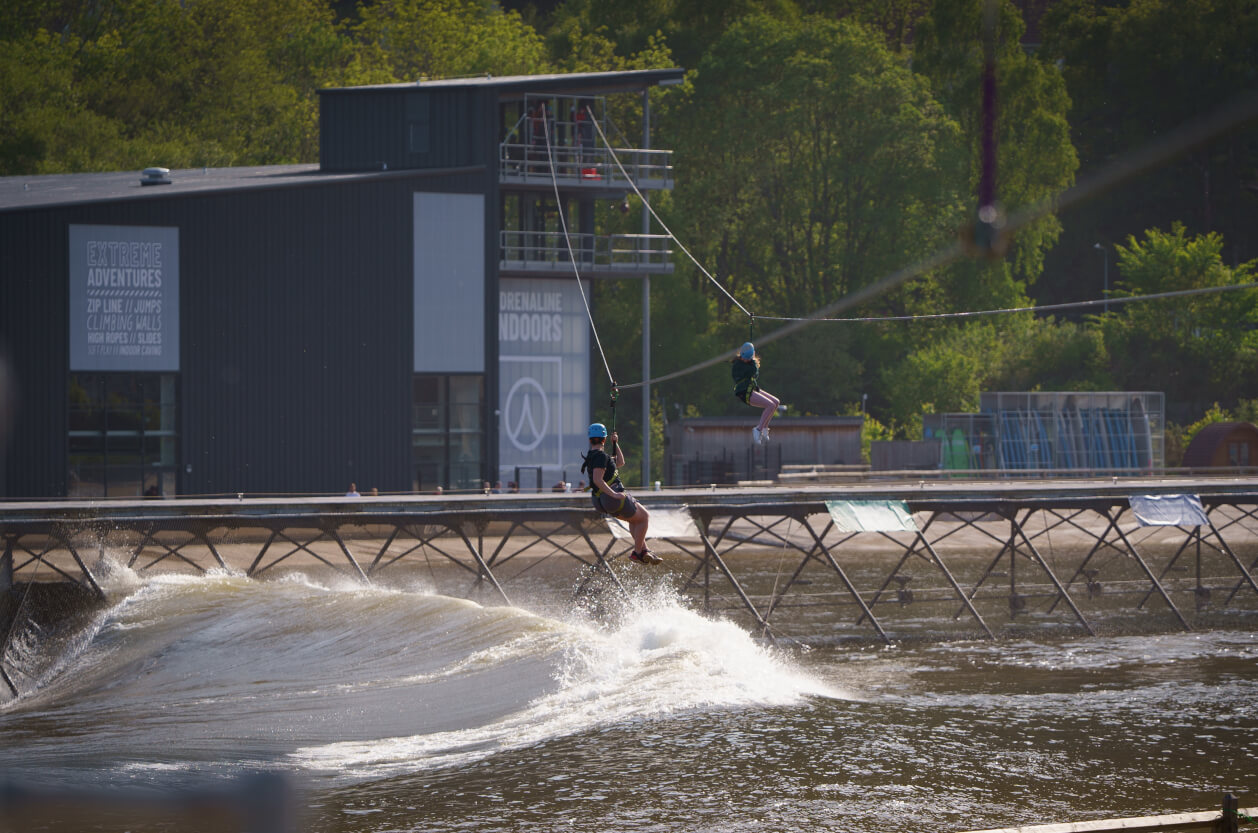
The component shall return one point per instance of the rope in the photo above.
(1180, 293)
(1233, 113)
(647, 205)
(572, 258)
(940, 258)
(781, 556)
(612, 405)
(563, 222)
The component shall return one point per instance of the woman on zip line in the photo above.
(746, 373)
(609, 495)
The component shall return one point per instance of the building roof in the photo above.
(1200, 452)
(22, 192)
(583, 83)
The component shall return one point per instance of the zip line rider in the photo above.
(608, 493)
(746, 373)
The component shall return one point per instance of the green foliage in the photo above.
(1247, 410)
(409, 40)
(688, 27)
(1135, 71)
(896, 19)
(1196, 349)
(1150, 64)
(956, 364)
(780, 179)
(820, 145)
(220, 82)
(1179, 437)
(944, 377)
(1212, 415)
(45, 126)
(873, 431)
(1035, 158)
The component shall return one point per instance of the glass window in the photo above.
(428, 404)
(1238, 454)
(446, 432)
(122, 436)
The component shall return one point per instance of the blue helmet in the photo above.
(598, 429)
(746, 351)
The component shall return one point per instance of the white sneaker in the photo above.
(764, 437)
(755, 436)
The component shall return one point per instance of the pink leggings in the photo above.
(767, 401)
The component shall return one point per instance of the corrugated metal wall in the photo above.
(406, 128)
(34, 310)
(296, 333)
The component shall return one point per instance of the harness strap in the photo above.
(619, 506)
(615, 481)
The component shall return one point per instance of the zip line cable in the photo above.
(1232, 114)
(646, 204)
(941, 258)
(563, 222)
(572, 258)
(1179, 293)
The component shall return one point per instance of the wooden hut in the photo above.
(1223, 445)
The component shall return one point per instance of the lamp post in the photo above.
(646, 310)
(1105, 254)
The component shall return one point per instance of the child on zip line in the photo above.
(746, 373)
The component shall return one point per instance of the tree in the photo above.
(816, 162)
(812, 162)
(686, 27)
(897, 19)
(409, 40)
(1197, 349)
(45, 125)
(113, 85)
(1034, 160)
(1135, 71)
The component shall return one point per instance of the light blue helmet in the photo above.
(598, 429)
(746, 351)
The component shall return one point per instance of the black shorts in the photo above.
(619, 504)
(745, 395)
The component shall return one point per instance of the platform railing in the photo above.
(529, 163)
(548, 250)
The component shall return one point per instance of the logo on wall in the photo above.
(526, 414)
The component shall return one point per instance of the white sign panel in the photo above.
(543, 380)
(124, 298)
(449, 297)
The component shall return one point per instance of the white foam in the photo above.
(659, 659)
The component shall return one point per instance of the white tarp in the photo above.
(1168, 510)
(665, 523)
(871, 515)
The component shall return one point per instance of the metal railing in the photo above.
(588, 163)
(548, 250)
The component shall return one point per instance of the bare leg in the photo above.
(637, 528)
(767, 401)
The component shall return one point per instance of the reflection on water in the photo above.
(400, 709)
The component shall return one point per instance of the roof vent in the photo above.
(156, 176)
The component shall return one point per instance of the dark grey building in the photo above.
(404, 315)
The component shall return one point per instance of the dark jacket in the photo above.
(746, 377)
